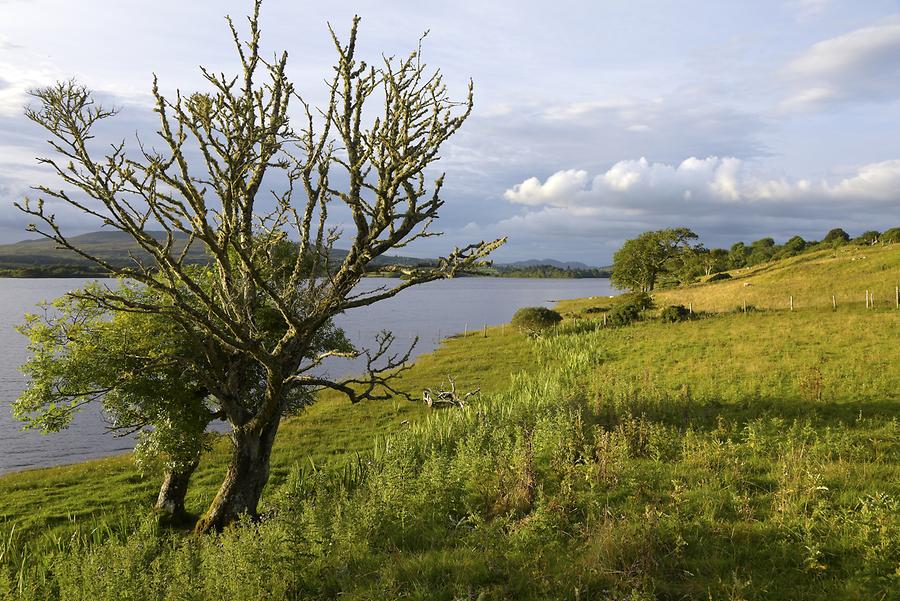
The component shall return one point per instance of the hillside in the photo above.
(115, 247)
(118, 248)
(812, 278)
(735, 456)
(42, 258)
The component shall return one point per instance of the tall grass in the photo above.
(616, 467)
(739, 456)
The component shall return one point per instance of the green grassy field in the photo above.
(47, 502)
(845, 273)
(736, 456)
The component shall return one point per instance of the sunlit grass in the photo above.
(733, 456)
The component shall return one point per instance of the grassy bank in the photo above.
(739, 456)
(50, 503)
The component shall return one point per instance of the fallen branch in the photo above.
(447, 398)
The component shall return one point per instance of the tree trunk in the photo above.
(247, 474)
(170, 502)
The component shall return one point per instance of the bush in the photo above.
(641, 300)
(596, 310)
(891, 236)
(675, 313)
(748, 308)
(535, 319)
(868, 238)
(628, 308)
(717, 277)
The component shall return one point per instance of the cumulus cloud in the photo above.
(718, 195)
(860, 65)
(724, 181)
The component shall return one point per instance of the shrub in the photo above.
(628, 308)
(675, 313)
(641, 300)
(747, 308)
(891, 236)
(596, 310)
(868, 238)
(535, 319)
(717, 277)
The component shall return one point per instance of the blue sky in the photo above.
(594, 121)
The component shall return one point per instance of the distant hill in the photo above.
(42, 257)
(551, 263)
(116, 247)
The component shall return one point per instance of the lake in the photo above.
(431, 311)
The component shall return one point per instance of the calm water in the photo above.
(431, 311)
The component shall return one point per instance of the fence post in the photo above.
(792, 302)
(897, 296)
(485, 331)
(833, 303)
(466, 331)
(690, 309)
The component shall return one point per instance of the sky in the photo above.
(593, 121)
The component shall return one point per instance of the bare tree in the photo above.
(204, 187)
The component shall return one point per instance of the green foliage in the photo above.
(144, 368)
(675, 313)
(794, 246)
(642, 261)
(535, 319)
(138, 365)
(868, 238)
(836, 236)
(891, 236)
(642, 301)
(545, 271)
(628, 308)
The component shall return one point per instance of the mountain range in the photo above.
(118, 248)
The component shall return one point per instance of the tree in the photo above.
(139, 366)
(891, 236)
(716, 261)
(836, 236)
(142, 369)
(642, 260)
(699, 261)
(242, 130)
(794, 246)
(738, 255)
(868, 238)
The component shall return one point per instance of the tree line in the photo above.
(673, 257)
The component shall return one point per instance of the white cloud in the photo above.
(713, 181)
(722, 198)
(860, 65)
(560, 185)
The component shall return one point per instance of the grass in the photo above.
(738, 456)
(47, 502)
(846, 273)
